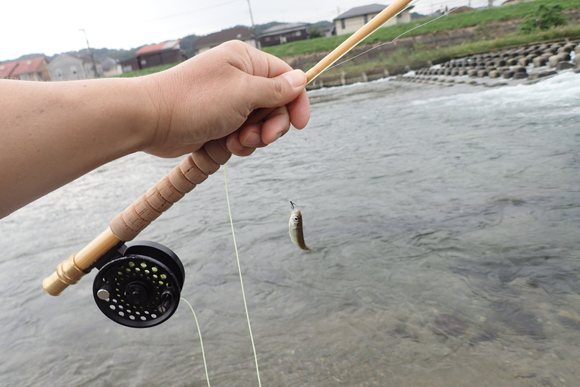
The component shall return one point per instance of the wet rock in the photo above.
(542, 74)
(519, 69)
(540, 61)
(566, 49)
(449, 325)
(483, 337)
(522, 322)
(494, 74)
(569, 319)
(564, 66)
(402, 332)
(555, 59)
(472, 73)
(524, 61)
(577, 50)
(508, 74)
(482, 73)
(513, 61)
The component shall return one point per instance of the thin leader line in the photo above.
(200, 340)
(241, 280)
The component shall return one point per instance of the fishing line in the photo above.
(392, 41)
(200, 340)
(241, 280)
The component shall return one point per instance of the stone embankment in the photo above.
(529, 62)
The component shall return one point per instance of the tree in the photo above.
(315, 32)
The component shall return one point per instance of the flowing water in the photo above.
(444, 224)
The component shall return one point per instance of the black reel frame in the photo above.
(138, 284)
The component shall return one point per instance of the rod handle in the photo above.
(67, 273)
(193, 170)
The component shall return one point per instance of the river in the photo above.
(444, 227)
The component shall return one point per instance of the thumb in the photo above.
(278, 91)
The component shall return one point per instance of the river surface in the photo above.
(444, 224)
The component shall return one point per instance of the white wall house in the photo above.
(67, 67)
(355, 18)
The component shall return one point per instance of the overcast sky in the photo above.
(53, 27)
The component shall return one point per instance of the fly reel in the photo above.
(138, 284)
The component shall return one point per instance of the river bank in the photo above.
(527, 62)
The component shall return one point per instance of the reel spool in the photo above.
(138, 284)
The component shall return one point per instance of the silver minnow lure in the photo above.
(295, 228)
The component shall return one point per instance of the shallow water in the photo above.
(444, 224)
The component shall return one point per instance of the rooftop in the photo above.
(360, 11)
(7, 68)
(240, 33)
(283, 28)
(171, 45)
(28, 65)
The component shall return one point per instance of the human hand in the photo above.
(211, 96)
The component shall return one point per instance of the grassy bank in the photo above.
(452, 21)
(150, 70)
(419, 56)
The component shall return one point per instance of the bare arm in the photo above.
(52, 133)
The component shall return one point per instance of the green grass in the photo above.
(418, 57)
(150, 70)
(452, 21)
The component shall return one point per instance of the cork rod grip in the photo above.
(193, 170)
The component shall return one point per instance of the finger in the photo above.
(253, 61)
(274, 92)
(235, 146)
(299, 111)
(275, 125)
(251, 136)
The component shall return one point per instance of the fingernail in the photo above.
(295, 78)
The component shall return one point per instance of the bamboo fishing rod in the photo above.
(193, 170)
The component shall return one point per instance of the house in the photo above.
(6, 69)
(207, 42)
(155, 55)
(68, 67)
(283, 33)
(34, 69)
(355, 18)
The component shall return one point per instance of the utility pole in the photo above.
(257, 43)
(91, 53)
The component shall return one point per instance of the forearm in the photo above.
(52, 133)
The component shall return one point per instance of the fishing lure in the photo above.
(295, 228)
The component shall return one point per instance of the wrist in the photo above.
(150, 111)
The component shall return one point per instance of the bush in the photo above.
(315, 32)
(545, 18)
